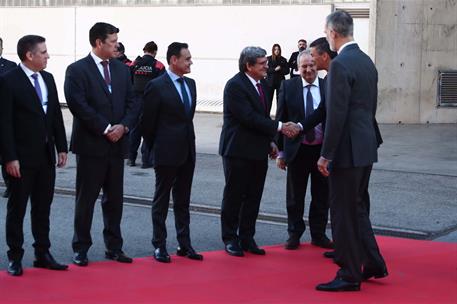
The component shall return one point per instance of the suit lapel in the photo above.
(95, 71)
(299, 96)
(253, 93)
(172, 89)
(193, 93)
(30, 89)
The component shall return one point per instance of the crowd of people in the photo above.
(324, 130)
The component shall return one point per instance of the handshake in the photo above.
(290, 129)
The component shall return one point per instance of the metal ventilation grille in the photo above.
(447, 88)
(356, 12)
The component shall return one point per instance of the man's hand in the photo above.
(274, 150)
(62, 159)
(281, 163)
(115, 133)
(322, 166)
(290, 129)
(13, 168)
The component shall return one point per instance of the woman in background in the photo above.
(277, 69)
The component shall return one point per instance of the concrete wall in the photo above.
(414, 39)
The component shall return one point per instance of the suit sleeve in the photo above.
(60, 135)
(337, 103)
(75, 94)
(7, 143)
(284, 66)
(238, 105)
(151, 109)
(315, 118)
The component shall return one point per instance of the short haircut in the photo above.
(249, 56)
(302, 40)
(120, 47)
(101, 30)
(1, 42)
(28, 43)
(341, 22)
(174, 49)
(321, 45)
(150, 47)
(303, 53)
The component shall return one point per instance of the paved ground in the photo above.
(413, 190)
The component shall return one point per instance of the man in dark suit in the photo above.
(348, 153)
(5, 66)
(245, 142)
(31, 129)
(100, 96)
(169, 107)
(298, 97)
(293, 59)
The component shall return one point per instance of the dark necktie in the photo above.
(36, 84)
(185, 97)
(262, 96)
(310, 135)
(106, 72)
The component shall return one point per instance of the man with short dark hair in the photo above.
(99, 94)
(348, 153)
(31, 130)
(302, 44)
(5, 66)
(247, 138)
(120, 54)
(144, 69)
(298, 97)
(167, 125)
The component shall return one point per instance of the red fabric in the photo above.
(420, 272)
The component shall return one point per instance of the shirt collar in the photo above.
(97, 59)
(26, 70)
(345, 45)
(252, 80)
(315, 82)
(172, 75)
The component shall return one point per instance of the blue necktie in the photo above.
(36, 84)
(310, 135)
(185, 97)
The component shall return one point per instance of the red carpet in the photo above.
(420, 272)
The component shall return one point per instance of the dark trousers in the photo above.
(178, 181)
(92, 175)
(273, 88)
(355, 244)
(38, 185)
(299, 170)
(244, 182)
(134, 144)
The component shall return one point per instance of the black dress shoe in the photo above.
(80, 259)
(292, 243)
(369, 273)
(118, 256)
(47, 261)
(329, 254)
(146, 166)
(15, 268)
(161, 255)
(339, 284)
(189, 252)
(253, 248)
(323, 243)
(234, 249)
